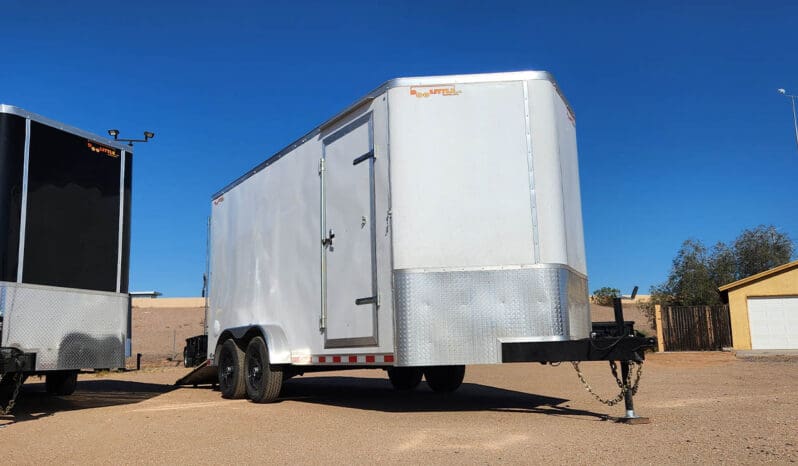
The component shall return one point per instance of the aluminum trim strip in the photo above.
(322, 237)
(12, 110)
(73, 290)
(121, 222)
(531, 173)
(530, 339)
(385, 87)
(23, 216)
(375, 292)
(389, 216)
(494, 267)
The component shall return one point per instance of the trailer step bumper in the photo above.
(628, 348)
(14, 360)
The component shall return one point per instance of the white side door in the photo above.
(349, 291)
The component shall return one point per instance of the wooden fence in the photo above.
(693, 328)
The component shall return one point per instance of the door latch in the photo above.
(329, 239)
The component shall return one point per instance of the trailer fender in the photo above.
(279, 352)
(273, 335)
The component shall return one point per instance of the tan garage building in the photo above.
(764, 309)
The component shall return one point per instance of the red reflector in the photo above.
(322, 359)
(336, 358)
(369, 358)
(388, 358)
(352, 358)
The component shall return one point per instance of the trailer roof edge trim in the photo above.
(12, 110)
(400, 82)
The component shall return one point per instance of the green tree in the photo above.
(603, 296)
(760, 249)
(690, 281)
(722, 264)
(696, 273)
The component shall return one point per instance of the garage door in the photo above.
(774, 322)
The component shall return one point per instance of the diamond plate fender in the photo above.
(448, 317)
(66, 328)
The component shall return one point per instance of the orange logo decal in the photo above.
(101, 149)
(428, 91)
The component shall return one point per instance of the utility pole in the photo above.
(794, 119)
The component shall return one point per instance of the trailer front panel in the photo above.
(487, 226)
(64, 252)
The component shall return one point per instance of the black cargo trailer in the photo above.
(64, 251)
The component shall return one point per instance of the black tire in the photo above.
(263, 380)
(405, 378)
(61, 383)
(231, 371)
(444, 379)
(186, 361)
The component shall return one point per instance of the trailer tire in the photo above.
(263, 380)
(444, 379)
(61, 383)
(231, 370)
(405, 378)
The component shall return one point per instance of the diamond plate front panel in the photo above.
(66, 328)
(459, 317)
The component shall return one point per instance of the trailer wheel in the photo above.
(231, 370)
(405, 378)
(444, 378)
(264, 380)
(61, 383)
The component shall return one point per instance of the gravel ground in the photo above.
(704, 408)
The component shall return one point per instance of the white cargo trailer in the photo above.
(433, 224)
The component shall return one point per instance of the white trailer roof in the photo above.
(401, 82)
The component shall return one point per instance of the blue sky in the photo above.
(681, 132)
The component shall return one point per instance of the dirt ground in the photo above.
(704, 408)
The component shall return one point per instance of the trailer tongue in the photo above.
(433, 224)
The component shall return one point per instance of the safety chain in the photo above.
(624, 385)
(19, 378)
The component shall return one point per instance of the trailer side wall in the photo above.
(266, 246)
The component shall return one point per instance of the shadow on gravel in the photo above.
(379, 395)
(34, 403)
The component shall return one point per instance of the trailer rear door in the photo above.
(349, 294)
